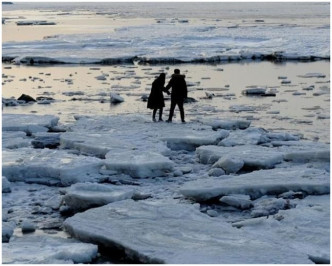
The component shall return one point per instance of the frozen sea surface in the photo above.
(161, 205)
(173, 32)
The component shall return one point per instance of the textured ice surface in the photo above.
(194, 139)
(242, 137)
(229, 164)
(226, 124)
(138, 164)
(5, 185)
(87, 195)
(33, 249)
(46, 140)
(174, 233)
(28, 123)
(7, 231)
(14, 140)
(304, 228)
(308, 156)
(46, 166)
(253, 156)
(258, 183)
(237, 201)
(116, 134)
(267, 206)
(96, 144)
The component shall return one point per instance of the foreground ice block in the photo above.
(83, 196)
(50, 167)
(151, 232)
(138, 164)
(258, 183)
(253, 156)
(33, 249)
(304, 228)
(28, 123)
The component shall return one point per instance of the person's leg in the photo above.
(154, 115)
(180, 104)
(161, 114)
(171, 111)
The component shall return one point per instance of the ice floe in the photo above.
(47, 166)
(253, 156)
(238, 201)
(226, 124)
(7, 231)
(28, 123)
(83, 196)
(173, 233)
(248, 136)
(5, 185)
(47, 250)
(304, 228)
(116, 98)
(258, 183)
(138, 164)
(46, 140)
(15, 140)
(194, 139)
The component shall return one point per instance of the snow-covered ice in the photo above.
(34, 249)
(254, 136)
(304, 228)
(83, 196)
(308, 156)
(7, 231)
(47, 166)
(194, 139)
(28, 123)
(15, 140)
(226, 124)
(229, 164)
(5, 185)
(253, 156)
(237, 201)
(138, 164)
(262, 182)
(174, 233)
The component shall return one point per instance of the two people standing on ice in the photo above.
(178, 95)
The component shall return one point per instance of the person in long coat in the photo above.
(178, 95)
(156, 97)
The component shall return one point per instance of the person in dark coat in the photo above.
(178, 95)
(156, 97)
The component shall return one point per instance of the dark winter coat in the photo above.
(179, 87)
(156, 97)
